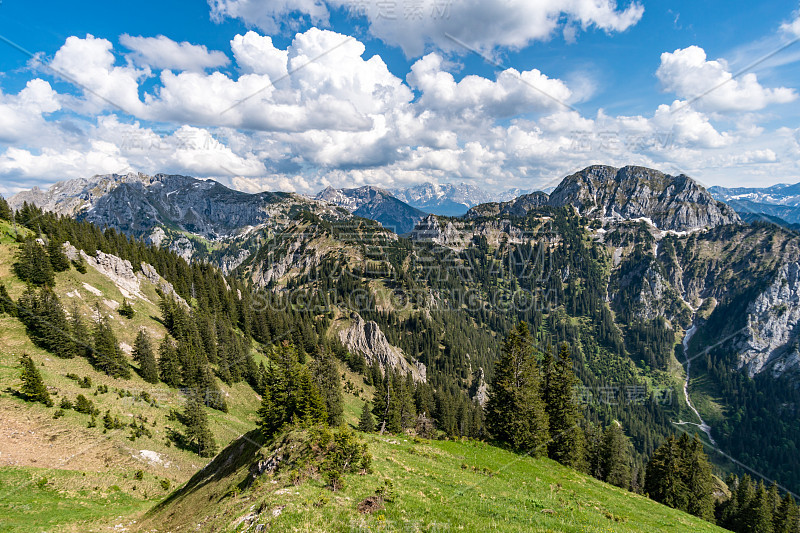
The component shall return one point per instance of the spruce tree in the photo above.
(380, 403)
(33, 387)
(408, 409)
(106, 353)
(745, 496)
(80, 339)
(728, 510)
(207, 383)
(759, 515)
(563, 412)
(515, 411)
(126, 309)
(366, 423)
(198, 434)
(786, 516)
(45, 321)
(143, 354)
(615, 456)
(309, 405)
(169, 369)
(394, 420)
(699, 478)
(290, 394)
(375, 374)
(326, 376)
(33, 264)
(5, 210)
(664, 481)
(55, 251)
(7, 305)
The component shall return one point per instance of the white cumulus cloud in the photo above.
(690, 75)
(414, 25)
(163, 53)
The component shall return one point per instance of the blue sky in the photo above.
(505, 94)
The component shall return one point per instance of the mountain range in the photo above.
(656, 285)
(778, 204)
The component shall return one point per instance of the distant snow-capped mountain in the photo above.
(780, 201)
(450, 199)
(375, 204)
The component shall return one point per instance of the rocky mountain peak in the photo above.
(671, 202)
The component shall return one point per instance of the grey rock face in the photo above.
(771, 339)
(430, 230)
(367, 339)
(204, 208)
(72, 197)
(672, 202)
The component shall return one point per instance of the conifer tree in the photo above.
(45, 321)
(290, 394)
(143, 354)
(106, 353)
(33, 264)
(7, 305)
(759, 515)
(423, 399)
(326, 376)
(664, 480)
(80, 339)
(728, 510)
(594, 446)
(168, 365)
(699, 478)
(615, 456)
(394, 420)
(745, 496)
(198, 434)
(366, 423)
(33, 387)
(126, 309)
(408, 409)
(55, 251)
(786, 516)
(563, 413)
(309, 406)
(376, 376)
(515, 411)
(380, 403)
(5, 210)
(207, 383)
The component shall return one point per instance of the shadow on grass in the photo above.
(239, 453)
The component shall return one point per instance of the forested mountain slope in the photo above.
(617, 263)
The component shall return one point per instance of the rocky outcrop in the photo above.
(230, 263)
(430, 230)
(288, 254)
(480, 391)
(149, 273)
(518, 207)
(120, 271)
(772, 337)
(367, 339)
(675, 203)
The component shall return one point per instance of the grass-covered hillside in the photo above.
(413, 485)
(56, 472)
